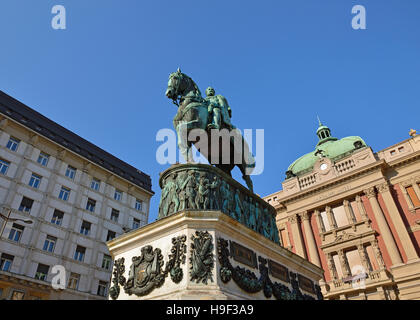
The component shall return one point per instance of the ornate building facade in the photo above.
(356, 214)
(61, 199)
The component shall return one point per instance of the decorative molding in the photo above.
(61, 154)
(305, 215)
(293, 218)
(370, 192)
(378, 253)
(3, 123)
(176, 258)
(248, 281)
(341, 180)
(34, 139)
(344, 237)
(383, 187)
(145, 272)
(117, 279)
(202, 257)
(415, 228)
(207, 188)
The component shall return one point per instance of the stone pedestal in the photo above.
(207, 255)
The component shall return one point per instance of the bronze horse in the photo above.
(193, 114)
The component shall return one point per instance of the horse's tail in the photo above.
(248, 158)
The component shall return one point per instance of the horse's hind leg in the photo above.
(246, 177)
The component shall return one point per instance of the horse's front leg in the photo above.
(184, 145)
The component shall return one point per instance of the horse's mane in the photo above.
(192, 81)
(194, 84)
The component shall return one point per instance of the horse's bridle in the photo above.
(178, 83)
(176, 87)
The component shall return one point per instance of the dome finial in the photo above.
(319, 121)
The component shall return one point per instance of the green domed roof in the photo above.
(328, 147)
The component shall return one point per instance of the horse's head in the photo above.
(176, 85)
(180, 84)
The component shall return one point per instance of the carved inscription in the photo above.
(243, 255)
(306, 284)
(278, 271)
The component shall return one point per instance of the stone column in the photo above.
(361, 208)
(344, 264)
(350, 217)
(331, 267)
(319, 221)
(297, 235)
(378, 254)
(364, 258)
(383, 226)
(313, 251)
(330, 216)
(396, 219)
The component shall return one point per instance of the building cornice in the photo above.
(327, 184)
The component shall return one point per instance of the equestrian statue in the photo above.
(208, 114)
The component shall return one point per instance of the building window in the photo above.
(4, 166)
(90, 205)
(26, 205)
(17, 295)
(354, 262)
(35, 181)
(57, 217)
(114, 215)
(79, 254)
(284, 237)
(49, 244)
(85, 228)
(16, 232)
(64, 193)
(106, 262)
(340, 216)
(6, 262)
(118, 195)
(95, 184)
(139, 204)
(70, 172)
(42, 272)
(13, 144)
(372, 257)
(111, 235)
(413, 196)
(102, 288)
(325, 221)
(43, 159)
(337, 266)
(74, 280)
(136, 223)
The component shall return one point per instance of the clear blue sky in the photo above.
(279, 63)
